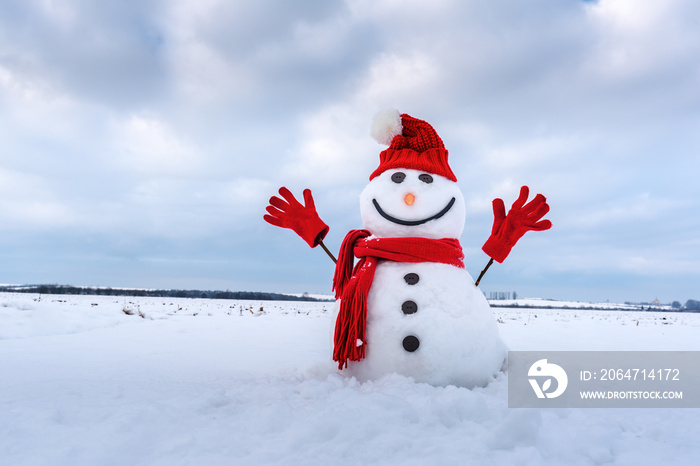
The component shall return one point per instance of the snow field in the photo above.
(212, 382)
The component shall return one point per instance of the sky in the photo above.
(140, 141)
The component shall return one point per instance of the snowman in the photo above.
(406, 303)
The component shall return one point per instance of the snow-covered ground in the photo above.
(207, 382)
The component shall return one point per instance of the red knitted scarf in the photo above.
(351, 284)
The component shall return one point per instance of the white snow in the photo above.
(199, 382)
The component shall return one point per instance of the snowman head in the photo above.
(413, 192)
(406, 202)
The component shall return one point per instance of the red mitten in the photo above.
(303, 219)
(508, 229)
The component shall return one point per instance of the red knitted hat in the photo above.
(412, 144)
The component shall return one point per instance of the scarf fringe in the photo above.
(348, 340)
(349, 343)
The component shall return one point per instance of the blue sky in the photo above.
(141, 140)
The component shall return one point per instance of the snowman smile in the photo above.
(412, 222)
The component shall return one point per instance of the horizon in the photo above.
(7, 288)
(141, 141)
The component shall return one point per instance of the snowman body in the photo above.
(424, 320)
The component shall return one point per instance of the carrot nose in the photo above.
(409, 198)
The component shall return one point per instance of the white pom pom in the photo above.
(386, 125)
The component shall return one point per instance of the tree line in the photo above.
(690, 305)
(207, 294)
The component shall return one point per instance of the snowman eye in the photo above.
(425, 178)
(398, 177)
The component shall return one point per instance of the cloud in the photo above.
(106, 52)
(141, 129)
(261, 54)
(25, 203)
(149, 146)
(637, 42)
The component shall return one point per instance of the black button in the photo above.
(411, 278)
(425, 178)
(409, 307)
(411, 343)
(398, 177)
